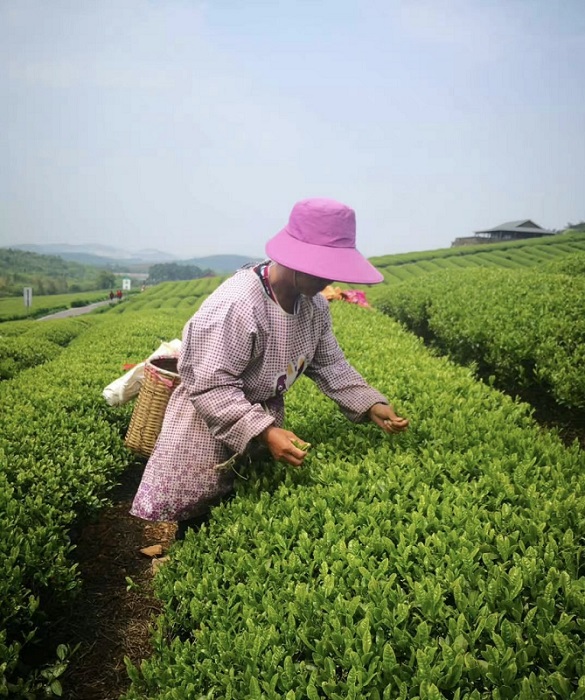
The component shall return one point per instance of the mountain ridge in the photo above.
(108, 257)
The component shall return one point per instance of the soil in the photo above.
(568, 422)
(110, 619)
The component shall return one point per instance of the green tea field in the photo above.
(444, 562)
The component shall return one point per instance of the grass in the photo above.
(12, 308)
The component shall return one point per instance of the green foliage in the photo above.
(445, 562)
(569, 265)
(171, 272)
(576, 227)
(47, 274)
(510, 255)
(61, 450)
(106, 280)
(185, 297)
(13, 308)
(30, 343)
(21, 353)
(527, 329)
(574, 240)
(60, 331)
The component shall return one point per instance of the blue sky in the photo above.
(193, 127)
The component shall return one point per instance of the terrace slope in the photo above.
(83, 368)
(512, 255)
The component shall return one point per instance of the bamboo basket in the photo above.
(160, 380)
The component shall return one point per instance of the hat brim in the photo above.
(336, 264)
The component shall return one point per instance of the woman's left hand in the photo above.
(384, 416)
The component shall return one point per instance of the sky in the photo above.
(193, 127)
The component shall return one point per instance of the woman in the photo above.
(249, 341)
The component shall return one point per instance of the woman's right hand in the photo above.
(279, 442)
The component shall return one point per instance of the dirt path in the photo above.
(108, 621)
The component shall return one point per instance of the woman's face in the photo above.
(309, 285)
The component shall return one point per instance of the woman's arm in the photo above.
(341, 382)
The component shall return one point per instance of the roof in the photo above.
(520, 226)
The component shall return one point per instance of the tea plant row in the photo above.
(61, 450)
(185, 297)
(508, 255)
(446, 562)
(24, 344)
(528, 328)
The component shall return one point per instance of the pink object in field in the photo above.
(355, 296)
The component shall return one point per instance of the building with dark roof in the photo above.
(509, 231)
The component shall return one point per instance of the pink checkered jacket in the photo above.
(240, 353)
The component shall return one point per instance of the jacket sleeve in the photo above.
(218, 344)
(337, 379)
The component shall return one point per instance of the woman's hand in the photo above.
(383, 415)
(279, 442)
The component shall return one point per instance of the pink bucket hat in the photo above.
(320, 240)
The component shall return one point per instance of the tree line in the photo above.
(173, 272)
(51, 274)
(48, 274)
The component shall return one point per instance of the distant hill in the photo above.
(47, 274)
(116, 259)
(98, 255)
(219, 263)
(16, 261)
